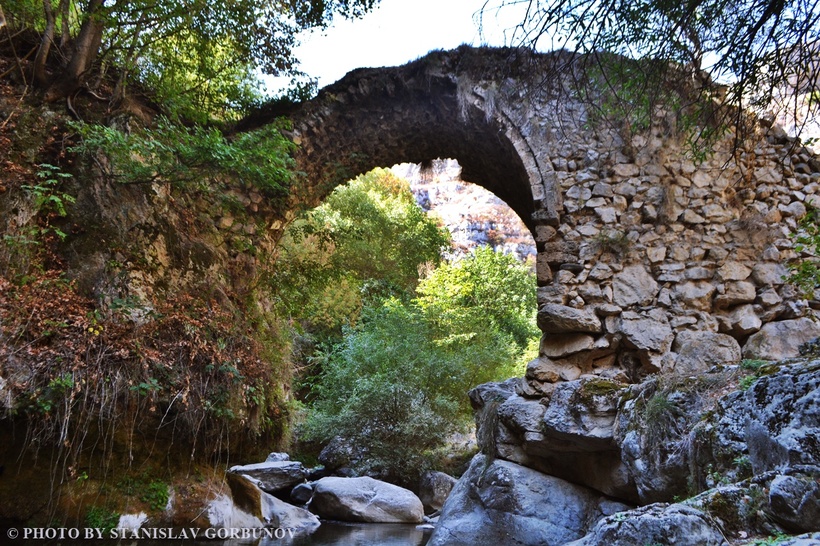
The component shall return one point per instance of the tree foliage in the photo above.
(179, 154)
(367, 241)
(199, 53)
(805, 273)
(485, 290)
(765, 50)
(396, 385)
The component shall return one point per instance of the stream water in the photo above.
(353, 534)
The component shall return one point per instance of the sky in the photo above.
(399, 31)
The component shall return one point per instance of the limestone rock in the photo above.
(634, 286)
(558, 345)
(769, 274)
(434, 489)
(775, 422)
(646, 332)
(655, 524)
(273, 476)
(581, 414)
(734, 271)
(557, 319)
(365, 499)
(265, 508)
(302, 493)
(696, 295)
(499, 502)
(277, 457)
(778, 340)
(740, 321)
(794, 501)
(698, 351)
(737, 292)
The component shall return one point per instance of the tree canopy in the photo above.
(205, 52)
(766, 51)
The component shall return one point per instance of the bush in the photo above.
(396, 386)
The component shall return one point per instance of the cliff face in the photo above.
(473, 215)
(136, 343)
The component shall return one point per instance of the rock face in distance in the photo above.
(273, 476)
(434, 489)
(655, 524)
(365, 500)
(499, 502)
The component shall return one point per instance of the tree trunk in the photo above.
(40, 60)
(86, 47)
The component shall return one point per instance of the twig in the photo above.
(16, 58)
(19, 102)
(10, 70)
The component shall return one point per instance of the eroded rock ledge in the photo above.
(747, 460)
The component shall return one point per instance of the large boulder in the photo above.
(655, 524)
(794, 501)
(499, 502)
(434, 489)
(568, 435)
(253, 507)
(365, 500)
(779, 340)
(275, 476)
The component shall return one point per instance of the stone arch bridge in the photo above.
(647, 261)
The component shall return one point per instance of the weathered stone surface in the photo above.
(569, 436)
(265, 508)
(775, 422)
(794, 501)
(277, 457)
(558, 319)
(778, 340)
(499, 502)
(695, 295)
(581, 414)
(366, 500)
(634, 286)
(698, 351)
(769, 274)
(561, 345)
(646, 332)
(740, 321)
(734, 271)
(302, 493)
(737, 292)
(434, 489)
(655, 524)
(273, 476)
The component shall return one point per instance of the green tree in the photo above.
(396, 385)
(805, 274)
(191, 45)
(367, 241)
(487, 289)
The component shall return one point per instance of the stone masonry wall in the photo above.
(647, 260)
